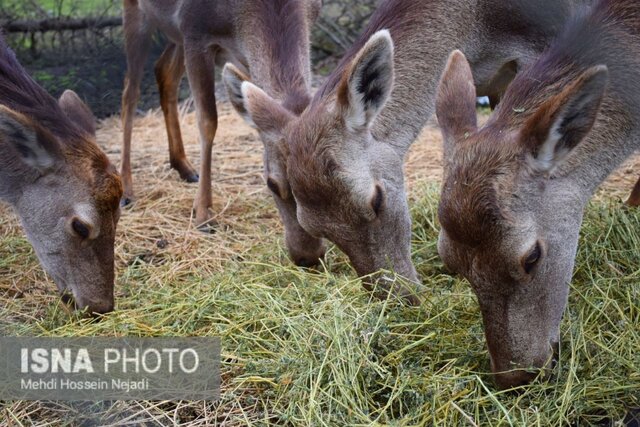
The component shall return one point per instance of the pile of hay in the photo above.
(312, 348)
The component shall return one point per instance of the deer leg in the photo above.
(634, 198)
(494, 100)
(200, 65)
(169, 70)
(137, 44)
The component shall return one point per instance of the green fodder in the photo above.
(313, 348)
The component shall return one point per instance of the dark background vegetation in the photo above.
(90, 60)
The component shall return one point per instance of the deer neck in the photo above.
(424, 33)
(615, 136)
(275, 36)
(422, 45)
(491, 33)
(616, 132)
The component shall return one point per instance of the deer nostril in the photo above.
(192, 178)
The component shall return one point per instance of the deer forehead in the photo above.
(355, 172)
(100, 178)
(329, 164)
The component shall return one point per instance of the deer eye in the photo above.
(378, 200)
(81, 229)
(532, 258)
(273, 186)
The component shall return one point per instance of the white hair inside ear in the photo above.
(370, 81)
(19, 133)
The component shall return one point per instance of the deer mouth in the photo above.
(61, 284)
(68, 299)
(520, 376)
(65, 291)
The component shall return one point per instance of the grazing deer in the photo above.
(514, 191)
(345, 153)
(59, 182)
(269, 38)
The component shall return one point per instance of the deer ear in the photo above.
(78, 112)
(233, 79)
(268, 116)
(456, 101)
(562, 122)
(366, 86)
(34, 148)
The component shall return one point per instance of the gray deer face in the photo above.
(304, 249)
(66, 198)
(508, 224)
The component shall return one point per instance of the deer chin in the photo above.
(66, 292)
(60, 283)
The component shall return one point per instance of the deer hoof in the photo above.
(191, 178)
(186, 171)
(126, 201)
(208, 227)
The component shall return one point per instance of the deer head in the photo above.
(510, 223)
(304, 249)
(348, 186)
(66, 194)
